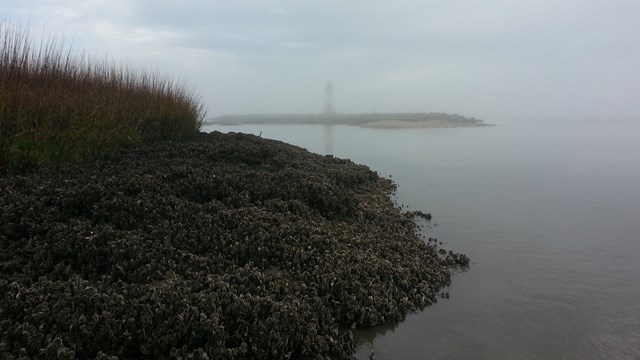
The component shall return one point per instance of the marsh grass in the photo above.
(58, 106)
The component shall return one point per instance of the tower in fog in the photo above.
(329, 106)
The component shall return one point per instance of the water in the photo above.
(548, 212)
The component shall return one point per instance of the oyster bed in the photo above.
(228, 246)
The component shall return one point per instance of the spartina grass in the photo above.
(58, 106)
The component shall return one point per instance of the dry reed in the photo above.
(58, 106)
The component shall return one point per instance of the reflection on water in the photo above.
(548, 214)
(329, 139)
(365, 338)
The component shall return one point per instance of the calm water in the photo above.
(549, 214)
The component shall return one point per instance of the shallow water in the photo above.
(548, 212)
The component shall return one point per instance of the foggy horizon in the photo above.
(490, 60)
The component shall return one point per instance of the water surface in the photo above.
(548, 212)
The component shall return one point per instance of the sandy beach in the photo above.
(424, 124)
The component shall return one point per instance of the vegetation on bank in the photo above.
(59, 106)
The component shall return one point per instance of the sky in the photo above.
(490, 59)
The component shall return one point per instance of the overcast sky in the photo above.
(492, 59)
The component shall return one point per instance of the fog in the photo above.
(492, 59)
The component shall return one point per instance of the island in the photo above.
(372, 120)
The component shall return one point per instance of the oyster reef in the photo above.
(227, 246)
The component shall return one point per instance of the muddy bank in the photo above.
(229, 246)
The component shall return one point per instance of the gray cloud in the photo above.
(492, 59)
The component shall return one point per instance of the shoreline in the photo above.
(381, 120)
(424, 124)
(378, 124)
(229, 245)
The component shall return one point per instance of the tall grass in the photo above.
(59, 106)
